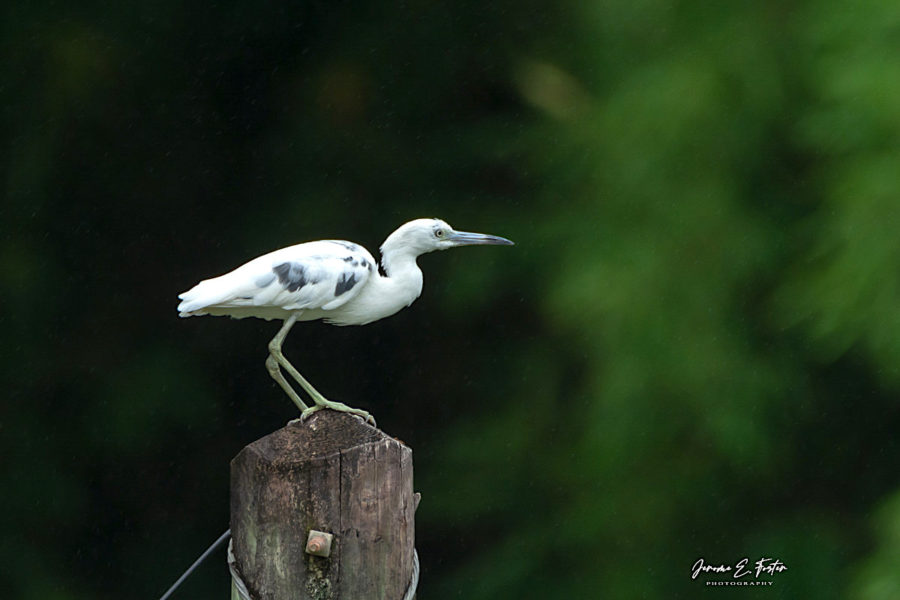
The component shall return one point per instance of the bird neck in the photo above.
(402, 272)
(398, 261)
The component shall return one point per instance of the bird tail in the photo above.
(203, 295)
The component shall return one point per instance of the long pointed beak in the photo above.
(464, 238)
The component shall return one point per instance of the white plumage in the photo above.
(334, 280)
(305, 277)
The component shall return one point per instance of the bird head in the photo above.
(427, 235)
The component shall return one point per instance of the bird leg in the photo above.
(277, 359)
(338, 406)
(275, 372)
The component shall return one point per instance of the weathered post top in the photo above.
(336, 475)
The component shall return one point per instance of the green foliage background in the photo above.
(693, 350)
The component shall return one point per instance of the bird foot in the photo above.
(340, 407)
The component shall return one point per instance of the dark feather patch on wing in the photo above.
(291, 275)
(345, 283)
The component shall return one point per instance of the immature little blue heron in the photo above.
(333, 280)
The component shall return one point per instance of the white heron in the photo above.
(333, 280)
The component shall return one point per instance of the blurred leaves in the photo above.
(877, 578)
(691, 351)
(846, 288)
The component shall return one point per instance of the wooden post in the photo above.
(333, 474)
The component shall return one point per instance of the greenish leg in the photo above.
(338, 406)
(275, 372)
(320, 400)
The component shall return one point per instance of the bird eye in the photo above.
(439, 233)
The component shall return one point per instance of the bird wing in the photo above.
(316, 275)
